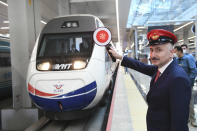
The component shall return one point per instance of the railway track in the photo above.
(90, 123)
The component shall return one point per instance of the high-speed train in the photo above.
(68, 71)
(5, 69)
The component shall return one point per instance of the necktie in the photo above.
(157, 76)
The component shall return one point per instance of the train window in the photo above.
(65, 49)
(66, 45)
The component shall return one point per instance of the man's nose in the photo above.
(152, 54)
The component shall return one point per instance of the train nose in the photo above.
(63, 95)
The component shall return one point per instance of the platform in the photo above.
(129, 109)
(129, 106)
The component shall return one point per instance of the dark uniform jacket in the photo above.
(168, 98)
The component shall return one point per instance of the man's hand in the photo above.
(115, 54)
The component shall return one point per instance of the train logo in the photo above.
(62, 66)
(58, 86)
(102, 36)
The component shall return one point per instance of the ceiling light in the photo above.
(191, 37)
(3, 3)
(5, 28)
(43, 22)
(183, 26)
(141, 27)
(6, 21)
(180, 40)
(7, 35)
(132, 45)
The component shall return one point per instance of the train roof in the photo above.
(86, 23)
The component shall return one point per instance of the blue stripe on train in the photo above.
(74, 101)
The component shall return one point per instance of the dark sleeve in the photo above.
(180, 94)
(139, 66)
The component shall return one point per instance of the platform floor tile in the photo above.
(121, 120)
(137, 105)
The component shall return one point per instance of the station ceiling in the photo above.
(141, 13)
(104, 9)
(146, 13)
(153, 12)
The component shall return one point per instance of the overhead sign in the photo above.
(102, 36)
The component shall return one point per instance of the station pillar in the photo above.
(64, 7)
(136, 43)
(185, 37)
(24, 19)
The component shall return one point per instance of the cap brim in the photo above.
(152, 44)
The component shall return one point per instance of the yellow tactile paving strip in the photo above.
(137, 105)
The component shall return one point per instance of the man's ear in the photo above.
(172, 53)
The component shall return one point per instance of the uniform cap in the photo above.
(161, 36)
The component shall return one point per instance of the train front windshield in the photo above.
(64, 51)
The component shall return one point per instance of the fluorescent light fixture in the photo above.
(191, 37)
(132, 45)
(117, 19)
(190, 44)
(3, 3)
(180, 40)
(82, 1)
(169, 21)
(43, 22)
(141, 27)
(7, 35)
(5, 28)
(6, 21)
(183, 26)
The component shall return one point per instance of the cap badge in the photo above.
(154, 37)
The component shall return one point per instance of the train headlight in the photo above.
(44, 66)
(79, 64)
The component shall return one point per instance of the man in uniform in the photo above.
(169, 95)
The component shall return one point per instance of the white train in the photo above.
(68, 72)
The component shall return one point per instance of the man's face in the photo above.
(178, 53)
(161, 54)
(184, 49)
